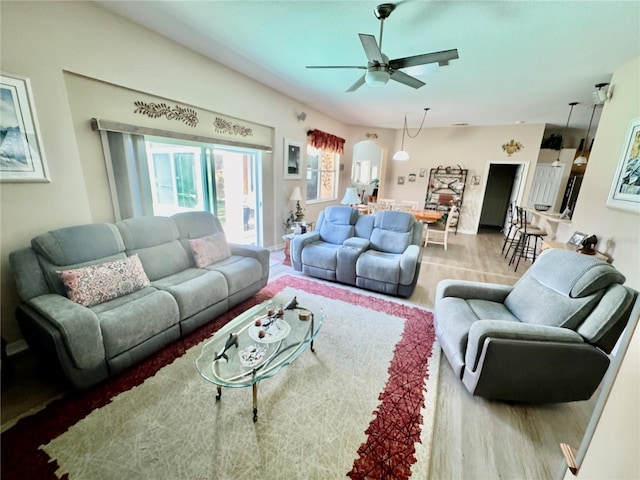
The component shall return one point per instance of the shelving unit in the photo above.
(446, 188)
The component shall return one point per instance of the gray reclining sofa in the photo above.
(161, 296)
(379, 252)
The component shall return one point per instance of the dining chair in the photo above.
(438, 232)
(385, 204)
(405, 205)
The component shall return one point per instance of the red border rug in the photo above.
(388, 453)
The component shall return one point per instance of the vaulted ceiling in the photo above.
(519, 61)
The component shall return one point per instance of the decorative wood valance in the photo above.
(325, 141)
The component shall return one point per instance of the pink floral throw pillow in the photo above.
(96, 284)
(209, 250)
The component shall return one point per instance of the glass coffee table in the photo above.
(258, 343)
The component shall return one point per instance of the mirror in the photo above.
(366, 168)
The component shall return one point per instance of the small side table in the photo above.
(552, 244)
(287, 248)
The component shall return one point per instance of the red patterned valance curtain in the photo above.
(325, 141)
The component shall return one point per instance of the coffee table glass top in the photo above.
(254, 352)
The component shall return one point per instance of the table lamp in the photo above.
(351, 197)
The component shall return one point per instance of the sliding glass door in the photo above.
(195, 177)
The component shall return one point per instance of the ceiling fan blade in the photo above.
(435, 57)
(356, 85)
(371, 49)
(335, 66)
(402, 77)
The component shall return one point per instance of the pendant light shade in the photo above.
(401, 155)
(557, 162)
(581, 159)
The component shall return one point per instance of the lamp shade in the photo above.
(556, 163)
(401, 156)
(296, 195)
(351, 197)
(581, 160)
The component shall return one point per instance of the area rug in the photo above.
(360, 406)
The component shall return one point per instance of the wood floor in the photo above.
(478, 439)
(473, 438)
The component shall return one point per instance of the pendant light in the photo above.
(401, 155)
(581, 159)
(556, 162)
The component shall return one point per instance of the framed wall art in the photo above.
(576, 239)
(625, 189)
(292, 159)
(21, 153)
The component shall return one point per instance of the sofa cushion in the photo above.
(210, 249)
(155, 240)
(321, 255)
(100, 283)
(392, 232)
(194, 289)
(79, 244)
(239, 272)
(129, 321)
(380, 266)
(337, 224)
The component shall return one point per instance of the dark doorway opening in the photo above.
(498, 194)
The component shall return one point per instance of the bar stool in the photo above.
(510, 237)
(527, 232)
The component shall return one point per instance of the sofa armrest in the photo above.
(259, 253)
(29, 277)
(504, 329)
(298, 242)
(348, 255)
(409, 261)
(493, 292)
(78, 325)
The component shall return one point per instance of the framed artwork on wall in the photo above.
(576, 239)
(292, 159)
(625, 189)
(21, 153)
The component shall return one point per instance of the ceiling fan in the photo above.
(380, 69)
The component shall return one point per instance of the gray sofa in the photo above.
(379, 252)
(545, 339)
(160, 293)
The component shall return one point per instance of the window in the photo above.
(197, 176)
(322, 175)
(175, 172)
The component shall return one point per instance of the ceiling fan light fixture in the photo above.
(376, 78)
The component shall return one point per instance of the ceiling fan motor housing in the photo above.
(384, 10)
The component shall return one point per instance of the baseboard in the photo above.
(16, 347)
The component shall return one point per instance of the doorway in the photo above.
(367, 172)
(499, 192)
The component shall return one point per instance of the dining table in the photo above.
(426, 216)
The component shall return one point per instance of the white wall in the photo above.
(614, 451)
(471, 148)
(43, 40)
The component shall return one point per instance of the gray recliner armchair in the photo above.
(545, 339)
